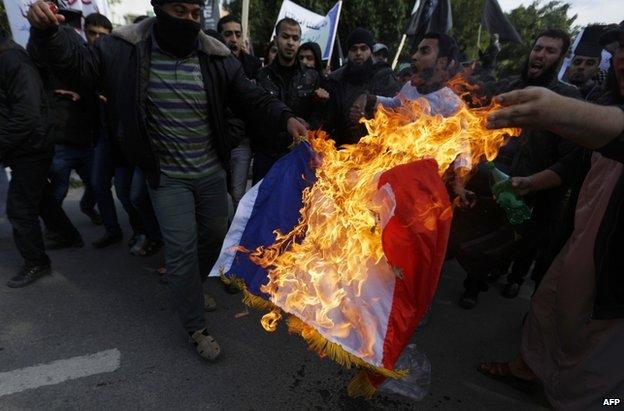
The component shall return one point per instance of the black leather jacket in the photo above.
(24, 120)
(119, 64)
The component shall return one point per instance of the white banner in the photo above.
(314, 27)
(17, 9)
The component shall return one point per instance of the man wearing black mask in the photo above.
(358, 77)
(167, 86)
(540, 173)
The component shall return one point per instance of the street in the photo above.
(100, 334)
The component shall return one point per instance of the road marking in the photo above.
(59, 371)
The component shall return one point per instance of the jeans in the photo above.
(192, 214)
(104, 171)
(4, 188)
(26, 189)
(139, 196)
(240, 159)
(66, 159)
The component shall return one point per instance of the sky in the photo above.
(588, 11)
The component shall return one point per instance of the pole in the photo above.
(479, 38)
(398, 53)
(245, 19)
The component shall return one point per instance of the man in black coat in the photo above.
(291, 82)
(23, 131)
(167, 85)
(359, 77)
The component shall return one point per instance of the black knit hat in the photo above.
(360, 36)
(161, 2)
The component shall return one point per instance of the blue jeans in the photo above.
(192, 214)
(139, 196)
(66, 159)
(104, 170)
(240, 159)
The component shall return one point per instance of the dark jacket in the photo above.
(119, 65)
(344, 90)
(251, 65)
(609, 246)
(75, 123)
(298, 94)
(24, 121)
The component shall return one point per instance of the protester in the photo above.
(359, 76)
(271, 53)
(240, 157)
(380, 54)
(182, 153)
(232, 31)
(24, 127)
(584, 71)
(96, 25)
(309, 54)
(539, 171)
(572, 336)
(291, 82)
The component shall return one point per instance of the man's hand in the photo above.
(297, 131)
(43, 15)
(321, 95)
(357, 109)
(70, 95)
(522, 185)
(534, 107)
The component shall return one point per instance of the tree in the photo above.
(386, 19)
(528, 21)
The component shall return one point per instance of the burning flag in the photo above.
(349, 244)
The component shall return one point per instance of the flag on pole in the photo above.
(495, 21)
(430, 16)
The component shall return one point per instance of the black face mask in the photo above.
(175, 36)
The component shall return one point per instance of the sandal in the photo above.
(150, 248)
(501, 371)
(210, 304)
(206, 345)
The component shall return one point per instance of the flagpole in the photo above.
(245, 19)
(479, 38)
(398, 53)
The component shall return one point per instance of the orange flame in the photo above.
(318, 270)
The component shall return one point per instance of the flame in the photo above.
(319, 269)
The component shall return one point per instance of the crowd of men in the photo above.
(177, 119)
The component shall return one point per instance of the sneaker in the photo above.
(62, 244)
(93, 215)
(28, 275)
(107, 240)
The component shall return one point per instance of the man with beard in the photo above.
(540, 173)
(584, 70)
(359, 76)
(232, 31)
(167, 85)
(292, 82)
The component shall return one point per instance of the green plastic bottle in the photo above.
(516, 209)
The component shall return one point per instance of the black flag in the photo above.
(431, 15)
(496, 22)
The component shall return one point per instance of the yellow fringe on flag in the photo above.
(360, 384)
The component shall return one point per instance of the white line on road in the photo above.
(59, 371)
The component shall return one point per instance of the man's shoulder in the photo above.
(339, 74)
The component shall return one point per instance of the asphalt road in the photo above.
(100, 334)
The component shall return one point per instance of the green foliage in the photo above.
(385, 18)
(528, 21)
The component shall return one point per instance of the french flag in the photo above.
(415, 221)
